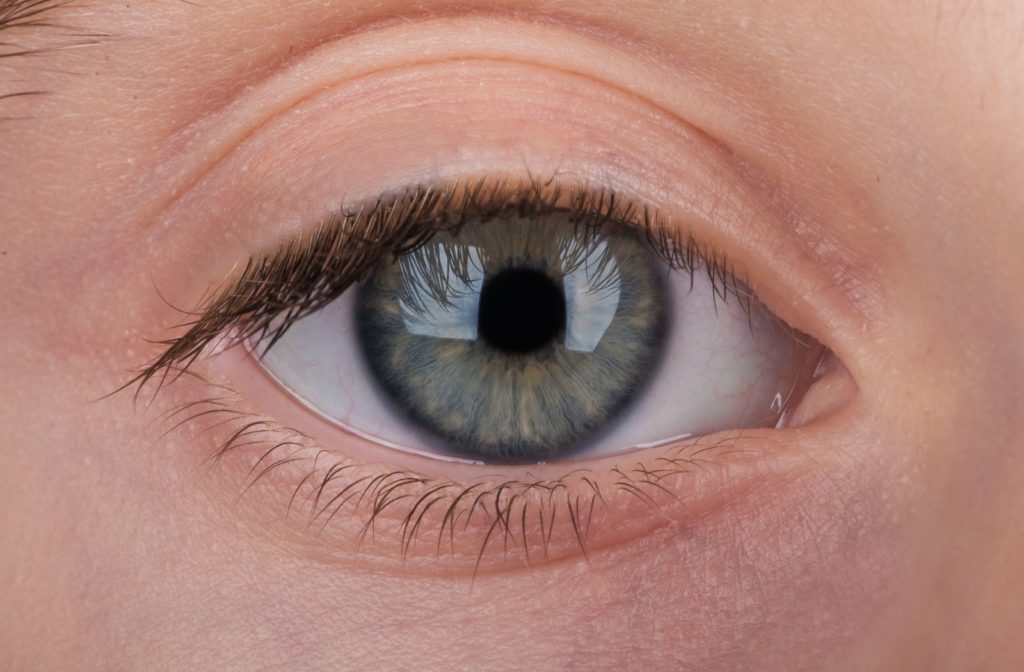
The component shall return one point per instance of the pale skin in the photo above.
(862, 162)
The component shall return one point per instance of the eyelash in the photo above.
(274, 291)
(520, 513)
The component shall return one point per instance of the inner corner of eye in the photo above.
(526, 338)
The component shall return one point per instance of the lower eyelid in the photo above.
(330, 506)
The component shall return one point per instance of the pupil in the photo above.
(521, 310)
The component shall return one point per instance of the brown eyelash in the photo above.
(507, 507)
(272, 292)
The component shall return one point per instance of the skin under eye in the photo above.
(534, 339)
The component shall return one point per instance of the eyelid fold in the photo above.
(697, 185)
(376, 49)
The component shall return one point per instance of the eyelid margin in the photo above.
(492, 521)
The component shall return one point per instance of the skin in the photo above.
(860, 163)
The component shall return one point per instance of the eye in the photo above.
(540, 334)
(500, 322)
(344, 233)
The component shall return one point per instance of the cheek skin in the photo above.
(787, 578)
(792, 577)
(679, 599)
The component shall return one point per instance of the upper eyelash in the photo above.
(273, 291)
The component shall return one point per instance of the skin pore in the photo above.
(859, 163)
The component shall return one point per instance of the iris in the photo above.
(515, 339)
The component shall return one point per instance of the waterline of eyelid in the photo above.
(252, 351)
(592, 507)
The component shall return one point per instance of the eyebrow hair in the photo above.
(25, 14)
(22, 16)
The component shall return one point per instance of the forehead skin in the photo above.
(890, 133)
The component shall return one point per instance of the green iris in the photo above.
(515, 340)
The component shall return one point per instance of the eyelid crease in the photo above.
(234, 117)
(356, 22)
(273, 291)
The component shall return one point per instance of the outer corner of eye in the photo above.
(525, 339)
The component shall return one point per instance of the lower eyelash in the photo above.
(400, 509)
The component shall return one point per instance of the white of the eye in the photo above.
(722, 369)
(592, 293)
(319, 362)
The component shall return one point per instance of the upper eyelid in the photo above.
(195, 148)
(355, 56)
(246, 306)
(637, 199)
(240, 127)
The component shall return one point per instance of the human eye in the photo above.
(517, 322)
(370, 361)
(490, 323)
